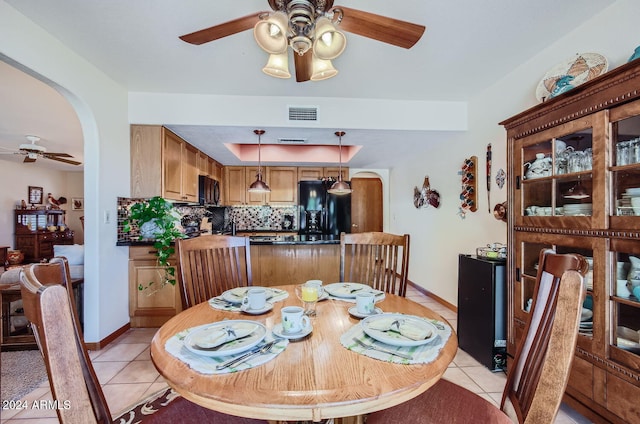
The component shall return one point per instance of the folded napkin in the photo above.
(340, 293)
(209, 339)
(346, 290)
(409, 330)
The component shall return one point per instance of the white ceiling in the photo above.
(468, 45)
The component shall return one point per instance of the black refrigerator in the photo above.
(323, 213)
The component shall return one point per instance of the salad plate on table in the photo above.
(224, 338)
(236, 295)
(399, 329)
(346, 290)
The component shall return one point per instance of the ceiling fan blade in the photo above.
(303, 66)
(59, 159)
(381, 28)
(223, 30)
(65, 155)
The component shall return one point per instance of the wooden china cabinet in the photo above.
(574, 185)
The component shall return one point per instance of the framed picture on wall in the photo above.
(35, 195)
(77, 203)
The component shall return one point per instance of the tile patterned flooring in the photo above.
(126, 373)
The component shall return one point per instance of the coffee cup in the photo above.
(256, 299)
(294, 320)
(365, 303)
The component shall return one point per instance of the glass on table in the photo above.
(309, 293)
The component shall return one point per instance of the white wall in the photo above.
(18, 176)
(101, 106)
(439, 235)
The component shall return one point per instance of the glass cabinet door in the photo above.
(528, 247)
(625, 166)
(625, 302)
(557, 177)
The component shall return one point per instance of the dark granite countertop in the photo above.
(262, 240)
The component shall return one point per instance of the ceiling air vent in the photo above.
(297, 113)
(292, 140)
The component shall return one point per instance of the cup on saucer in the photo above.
(294, 320)
(256, 299)
(365, 303)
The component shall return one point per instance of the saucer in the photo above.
(267, 307)
(278, 331)
(354, 312)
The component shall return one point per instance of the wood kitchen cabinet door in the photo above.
(189, 173)
(307, 173)
(366, 205)
(250, 177)
(283, 181)
(234, 185)
(172, 166)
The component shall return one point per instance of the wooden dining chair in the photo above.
(73, 382)
(211, 264)
(540, 370)
(380, 260)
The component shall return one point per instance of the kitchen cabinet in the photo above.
(333, 172)
(283, 181)
(237, 180)
(308, 173)
(33, 235)
(162, 164)
(574, 167)
(153, 306)
(179, 169)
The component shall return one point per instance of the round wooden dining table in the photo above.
(314, 378)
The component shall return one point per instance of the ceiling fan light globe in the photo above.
(322, 69)
(278, 66)
(271, 33)
(300, 44)
(329, 42)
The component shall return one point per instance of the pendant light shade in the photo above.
(322, 69)
(340, 187)
(278, 66)
(259, 186)
(329, 43)
(271, 33)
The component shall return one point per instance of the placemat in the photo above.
(219, 303)
(422, 354)
(207, 365)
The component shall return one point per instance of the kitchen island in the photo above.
(275, 260)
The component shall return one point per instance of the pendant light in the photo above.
(340, 187)
(259, 186)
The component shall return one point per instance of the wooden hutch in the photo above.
(585, 207)
(38, 230)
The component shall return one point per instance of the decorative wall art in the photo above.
(571, 73)
(425, 197)
(77, 204)
(36, 194)
(468, 196)
(488, 167)
(501, 178)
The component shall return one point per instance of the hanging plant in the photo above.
(157, 220)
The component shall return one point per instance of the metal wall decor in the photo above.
(468, 196)
(425, 196)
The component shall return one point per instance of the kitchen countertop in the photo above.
(262, 240)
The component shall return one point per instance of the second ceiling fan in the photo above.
(311, 29)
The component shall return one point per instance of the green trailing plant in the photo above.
(163, 217)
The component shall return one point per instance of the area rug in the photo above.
(20, 373)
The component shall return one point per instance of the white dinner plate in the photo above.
(225, 349)
(354, 311)
(345, 290)
(247, 310)
(396, 339)
(279, 331)
(237, 294)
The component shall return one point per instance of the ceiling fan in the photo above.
(310, 29)
(32, 151)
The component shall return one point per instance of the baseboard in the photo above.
(111, 337)
(433, 296)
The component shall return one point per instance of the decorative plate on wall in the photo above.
(571, 73)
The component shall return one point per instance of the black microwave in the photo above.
(208, 191)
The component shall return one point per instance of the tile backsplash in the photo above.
(247, 218)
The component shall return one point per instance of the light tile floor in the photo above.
(126, 373)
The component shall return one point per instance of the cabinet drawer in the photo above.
(625, 402)
(144, 253)
(581, 378)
